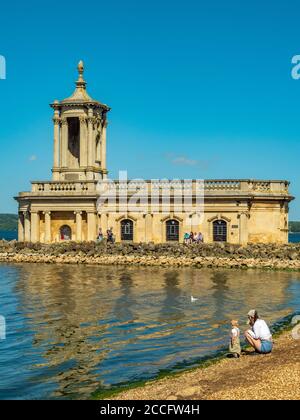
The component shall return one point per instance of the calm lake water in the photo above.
(73, 329)
(8, 236)
(294, 237)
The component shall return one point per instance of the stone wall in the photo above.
(206, 255)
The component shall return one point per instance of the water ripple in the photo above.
(73, 329)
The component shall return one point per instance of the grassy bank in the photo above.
(188, 383)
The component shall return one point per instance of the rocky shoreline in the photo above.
(220, 255)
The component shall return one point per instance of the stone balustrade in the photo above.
(67, 187)
(222, 185)
(211, 187)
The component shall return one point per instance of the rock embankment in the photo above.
(223, 255)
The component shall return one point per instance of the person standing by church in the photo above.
(186, 238)
(199, 238)
(100, 235)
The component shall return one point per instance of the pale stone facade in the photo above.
(236, 211)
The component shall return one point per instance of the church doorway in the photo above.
(127, 230)
(65, 233)
(172, 230)
(220, 231)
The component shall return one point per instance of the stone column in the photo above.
(103, 149)
(21, 232)
(104, 223)
(83, 142)
(60, 143)
(99, 223)
(90, 144)
(56, 121)
(111, 223)
(91, 222)
(27, 226)
(286, 223)
(148, 227)
(64, 142)
(243, 228)
(47, 226)
(35, 227)
(78, 225)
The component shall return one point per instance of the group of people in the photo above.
(109, 235)
(192, 237)
(258, 336)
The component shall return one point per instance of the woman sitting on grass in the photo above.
(259, 336)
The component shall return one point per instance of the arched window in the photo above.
(220, 231)
(172, 230)
(127, 230)
(65, 233)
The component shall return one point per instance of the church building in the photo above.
(238, 211)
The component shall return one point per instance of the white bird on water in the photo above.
(193, 299)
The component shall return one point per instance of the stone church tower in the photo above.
(79, 136)
(65, 208)
(237, 211)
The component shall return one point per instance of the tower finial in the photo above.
(80, 67)
(80, 82)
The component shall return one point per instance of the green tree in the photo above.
(8, 222)
(294, 226)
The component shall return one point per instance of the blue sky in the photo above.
(198, 89)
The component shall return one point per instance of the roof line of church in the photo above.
(80, 95)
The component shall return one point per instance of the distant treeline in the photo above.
(294, 226)
(8, 222)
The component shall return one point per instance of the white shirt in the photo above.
(261, 330)
(235, 332)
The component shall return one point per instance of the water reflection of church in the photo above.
(91, 325)
(236, 211)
